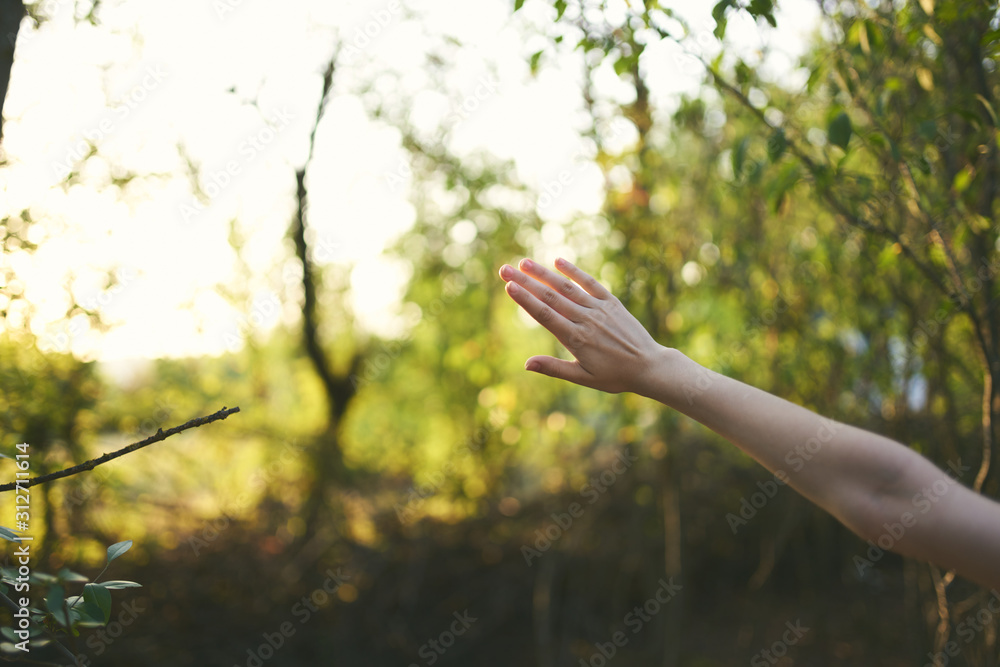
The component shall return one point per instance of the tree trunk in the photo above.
(11, 13)
(673, 616)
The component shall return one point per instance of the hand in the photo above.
(613, 352)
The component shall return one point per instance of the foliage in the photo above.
(64, 615)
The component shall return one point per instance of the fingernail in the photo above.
(505, 271)
(531, 365)
(512, 288)
(527, 263)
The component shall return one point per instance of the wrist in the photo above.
(660, 379)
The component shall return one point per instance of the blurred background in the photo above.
(300, 209)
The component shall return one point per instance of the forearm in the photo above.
(844, 469)
(882, 490)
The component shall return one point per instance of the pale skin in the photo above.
(880, 489)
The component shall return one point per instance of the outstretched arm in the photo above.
(880, 489)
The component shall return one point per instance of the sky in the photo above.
(232, 87)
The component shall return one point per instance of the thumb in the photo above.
(560, 369)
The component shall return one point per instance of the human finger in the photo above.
(560, 284)
(561, 369)
(583, 279)
(550, 297)
(545, 315)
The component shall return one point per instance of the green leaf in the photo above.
(118, 548)
(888, 256)
(744, 74)
(719, 14)
(928, 130)
(100, 596)
(55, 602)
(839, 130)
(560, 8)
(623, 64)
(42, 578)
(533, 62)
(118, 584)
(814, 78)
(962, 180)
(989, 107)
(786, 180)
(66, 574)
(877, 140)
(763, 8)
(894, 149)
(776, 145)
(518, 4)
(739, 156)
(89, 615)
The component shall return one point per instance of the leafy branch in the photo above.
(90, 610)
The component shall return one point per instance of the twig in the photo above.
(159, 436)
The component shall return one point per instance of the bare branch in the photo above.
(159, 436)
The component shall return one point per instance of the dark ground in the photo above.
(220, 606)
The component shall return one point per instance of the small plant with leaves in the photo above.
(63, 614)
